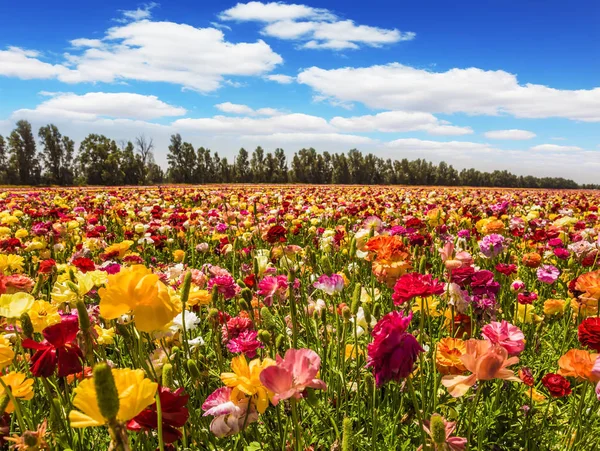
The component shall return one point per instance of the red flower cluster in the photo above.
(589, 333)
(413, 285)
(276, 234)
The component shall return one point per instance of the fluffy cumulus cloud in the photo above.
(512, 134)
(200, 59)
(399, 121)
(317, 28)
(245, 110)
(555, 148)
(473, 91)
(95, 105)
(281, 78)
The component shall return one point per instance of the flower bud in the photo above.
(241, 283)
(452, 264)
(356, 298)
(264, 336)
(346, 434)
(167, 375)
(84, 317)
(422, 264)
(279, 340)
(185, 288)
(326, 265)
(367, 310)
(213, 313)
(377, 310)
(215, 295)
(438, 429)
(193, 370)
(346, 313)
(26, 325)
(267, 318)
(352, 247)
(107, 394)
(247, 295)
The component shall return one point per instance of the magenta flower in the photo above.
(393, 352)
(225, 285)
(293, 374)
(491, 245)
(246, 343)
(548, 273)
(505, 334)
(330, 284)
(273, 288)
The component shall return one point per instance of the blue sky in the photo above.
(487, 84)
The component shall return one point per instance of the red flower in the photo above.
(505, 269)
(84, 264)
(557, 385)
(526, 298)
(413, 285)
(526, 376)
(59, 349)
(46, 266)
(174, 414)
(589, 333)
(250, 280)
(276, 234)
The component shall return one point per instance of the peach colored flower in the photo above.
(579, 364)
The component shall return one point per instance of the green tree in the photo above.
(96, 159)
(242, 167)
(257, 163)
(182, 161)
(57, 155)
(132, 165)
(23, 159)
(3, 162)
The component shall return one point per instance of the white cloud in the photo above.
(398, 121)
(95, 105)
(245, 110)
(281, 79)
(296, 123)
(472, 91)
(195, 58)
(513, 134)
(26, 64)
(319, 28)
(310, 139)
(413, 144)
(555, 148)
(145, 12)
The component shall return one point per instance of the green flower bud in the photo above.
(185, 288)
(346, 313)
(215, 295)
(346, 434)
(193, 370)
(422, 264)
(279, 340)
(267, 318)
(241, 283)
(74, 288)
(356, 298)
(264, 336)
(26, 325)
(243, 304)
(247, 295)
(438, 429)
(377, 310)
(367, 310)
(167, 375)
(352, 251)
(213, 313)
(82, 314)
(107, 394)
(326, 265)
(255, 267)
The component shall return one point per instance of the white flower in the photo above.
(194, 343)
(191, 321)
(361, 322)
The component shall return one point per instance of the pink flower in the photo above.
(246, 342)
(506, 335)
(293, 374)
(393, 352)
(273, 287)
(413, 285)
(234, 327)
(548, 273)
(230, 415)
(596, 373)
(330, 284)
(225, 285)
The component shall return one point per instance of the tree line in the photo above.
(103, 161)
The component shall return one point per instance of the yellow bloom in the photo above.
(198, 297)
(554, 307)
(105, 336)
(135, 394)
(43, 314)
(21, 233)
(246, 379)
(178, 255)
(5, 231)
(431, 304)
(120, 248)
(535, 395)
(526, 314)
(14, 305)
(11, 263)
(136, 289)
(6, 352)
(20, 386)
(350, 352)
(63, 292)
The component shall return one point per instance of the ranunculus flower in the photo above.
(532, 260)
(276, 234)
(506, 335)
(273, 288)
(580, 364)
(230, 412)
(84, 264)
(393, 351)
(246, 343)
(413, 285)
(330, 284)
(589, 333)
(548, 274)
(492, 245)
(59, 349)
(293, 374)
(526, 298)
(557, 385)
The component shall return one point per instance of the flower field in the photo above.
(299, 318)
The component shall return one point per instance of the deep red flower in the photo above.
(174, 414)
(557, 385)
(413, 285)
(276, 234)
(526, 376)
(84, 264)
(46, 266)
(59, 349)
(589, 333)
(250, 280)
(526, 298)
(505, 269)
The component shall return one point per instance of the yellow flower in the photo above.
(105, 336)
(554, 307)
(178, 255)
(6, 352)
(135, 394)
(63, 291)
(136, 289)
(431, 304)
(120, 248)
(21, 233)
(535, 395)
(198, 297)
(5, 231)
(20, 386)
(11, 263)
(43, 314)
(350, 352)
(246, 379)
(526, 314)
(14, 305)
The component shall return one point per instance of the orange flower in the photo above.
(532, 260)
(448, 354)
(554, 307)
(485, 361)
(589, 285)
(494, 226)
(387, 247)
(578, 363)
